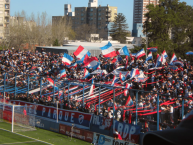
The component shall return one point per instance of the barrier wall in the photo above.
(68, 117)
(77, 133)
(101, 139)
(99, 124)
(107, 126)
(46, 124)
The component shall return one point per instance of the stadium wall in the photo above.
(46, 118)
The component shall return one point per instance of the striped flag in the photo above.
(108, 50)
(67, 59)
(81, 53)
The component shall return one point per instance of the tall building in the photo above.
(96, 16)
(93, 3)
(4, 19)
(139, 11)
(68, 10)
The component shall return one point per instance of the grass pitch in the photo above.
(37, 137)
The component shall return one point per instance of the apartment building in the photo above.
(68, 10)
(4, 19)
(99, 17)
(139, 11)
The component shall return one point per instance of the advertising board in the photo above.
(76, 132)
(101, 139)
(47, 124)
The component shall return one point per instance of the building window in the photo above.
(82, 19)
(91, 9)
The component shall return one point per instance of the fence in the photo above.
(118, 103)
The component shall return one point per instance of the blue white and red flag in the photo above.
(140, 54)
(108, 50)
(152, 49)
(81, 52)
(67, 59)
(173, 58)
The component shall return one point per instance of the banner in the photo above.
(103, 123)
(47, 124)
(68, 117)
(101, 139)
(77, 133)
(127, 131)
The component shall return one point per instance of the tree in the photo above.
(119, 28)
(169, 26)
(56, 43)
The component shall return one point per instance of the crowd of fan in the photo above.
(172, 86)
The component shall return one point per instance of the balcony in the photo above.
(108, 15)
(6, 21)
(7, 1)
(6, 6)
(6, 14)
(108, 20)
(108, 10)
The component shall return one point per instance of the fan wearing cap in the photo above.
(181, 135)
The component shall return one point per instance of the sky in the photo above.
(56, 7)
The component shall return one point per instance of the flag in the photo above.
(126, 89)
(134, 72)
(149, 57)
(122, 77)
(133, 54)
(62, 73)
(152, 49)
(140, 54)
(86, 73)
(124, 51)
(67, 59)
(115, 106)
(115, 79)
(98, 67)
(51, 82)
(132, 60)
(141, 78)
(91, 62)
(92, 90)
(178, 63)
(189, 53)
(173, 58)
(158, 60)
(129, 101)
(164, 56)
(173, 68)
(108, 50)
(81, 53)
(73, 65)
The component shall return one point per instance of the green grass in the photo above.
(40, 134)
